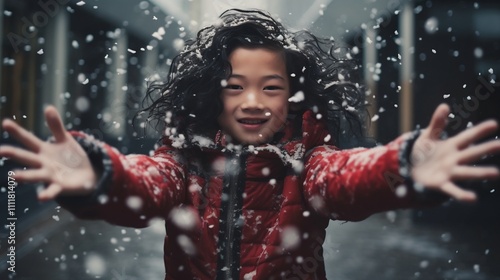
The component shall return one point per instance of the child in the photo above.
(248, 173)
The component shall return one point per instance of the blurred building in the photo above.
(92, 60)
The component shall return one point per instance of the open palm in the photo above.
(438, 164)
(62, 165)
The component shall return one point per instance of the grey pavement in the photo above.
(386, 246)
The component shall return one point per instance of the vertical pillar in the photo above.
(56, 59)
(116, 97)
(149, 67)
(407, 51)
(1, 40)
(370, 61)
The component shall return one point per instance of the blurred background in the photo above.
(92, 59)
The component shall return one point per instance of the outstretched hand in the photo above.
(437, 164)
(62, 165)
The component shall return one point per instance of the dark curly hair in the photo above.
(187, 104)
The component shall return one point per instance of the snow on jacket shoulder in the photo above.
(245, 212)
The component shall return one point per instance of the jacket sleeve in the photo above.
(132, 189)
(354, 184)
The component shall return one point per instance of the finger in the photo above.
(475, 133)
(51, 192)
(55, 123)
(458, 193)
(475, 153)
(438, 122)
(475, 173)
(25, 137)
(32, 175)
(21, 156)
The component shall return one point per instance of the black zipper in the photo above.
(230, 222)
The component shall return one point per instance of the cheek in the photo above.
(225, 108)
(229, 104)
(280, 114)
(226, 112)
(282, 109)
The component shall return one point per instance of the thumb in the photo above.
(55, 123)
(438, 121)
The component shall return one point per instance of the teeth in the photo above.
(252, 121)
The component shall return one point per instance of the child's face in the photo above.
(256, 96)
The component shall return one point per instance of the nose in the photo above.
(252, 102)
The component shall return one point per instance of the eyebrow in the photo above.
(268, 77)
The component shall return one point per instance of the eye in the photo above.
(273, 88)
(233, 87)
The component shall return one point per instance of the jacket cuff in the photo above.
(102, 165)
(422, 194)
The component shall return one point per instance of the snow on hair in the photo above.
(190, 93)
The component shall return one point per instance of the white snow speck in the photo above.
(159, 33)
(178, 44)
(477, 268)
(183, 218)
(95, 264)
(186, 244)
(327, 138)
(297, 97)
(265, 171)
(446, 237)
(478, 52)
(431, 25)
(40, 51)
(250, 275)
(391, 216)
(89, 38)
(82, 103)
(82, 78)
(134, 202)
(81, 3)
(401, 191)
(290, 238)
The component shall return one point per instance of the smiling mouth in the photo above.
(252, 121)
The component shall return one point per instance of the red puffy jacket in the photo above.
(244, 213)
